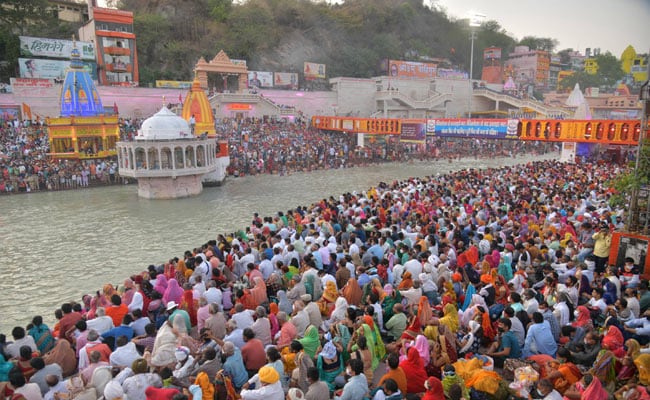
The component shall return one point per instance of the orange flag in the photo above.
(27, 112)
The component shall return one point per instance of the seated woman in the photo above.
(416, 375)
(330, 363)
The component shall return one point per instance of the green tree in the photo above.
(582, 78)
(536, 43)
(609, 69)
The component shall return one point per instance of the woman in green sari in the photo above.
(392, 297)
(310, 342)
(329, 364)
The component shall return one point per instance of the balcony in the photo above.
(117, 51)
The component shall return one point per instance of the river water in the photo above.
(56, 246)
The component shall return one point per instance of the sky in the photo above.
(611, 25)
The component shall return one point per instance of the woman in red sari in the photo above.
(413, 368)
(188, 304)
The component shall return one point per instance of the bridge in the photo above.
(619, 132)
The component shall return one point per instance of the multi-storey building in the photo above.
(112, 32)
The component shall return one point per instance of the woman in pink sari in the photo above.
(173, 292)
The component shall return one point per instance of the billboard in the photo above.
(411, 69)
(314, 71)
(413, 132)
(50, 69)
(260, 79)
(475, 128)
(54, 48)
(286, 80)
(174, 84)
(446, 73)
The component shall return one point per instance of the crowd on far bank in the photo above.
(477, 284)
(256, 146)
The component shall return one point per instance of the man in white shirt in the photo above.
(102, 323)
(212, 294)
(243, 317)
(597, 300)
(20, 339)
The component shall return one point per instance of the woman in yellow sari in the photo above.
(451, 318)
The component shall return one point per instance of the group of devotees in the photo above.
(477, 284)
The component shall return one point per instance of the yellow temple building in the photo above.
(196, 105)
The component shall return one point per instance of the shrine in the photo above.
(222, 65)
(82, 130)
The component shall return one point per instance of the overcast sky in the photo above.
(609, 24)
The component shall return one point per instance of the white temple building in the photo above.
(166, 159)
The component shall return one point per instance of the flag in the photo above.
(180, 98)
(27, 112)
(115, 110)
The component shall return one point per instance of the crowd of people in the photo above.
(478, 284)
(255, 145)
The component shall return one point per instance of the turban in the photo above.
(268, 375)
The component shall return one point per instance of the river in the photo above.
(56, 246)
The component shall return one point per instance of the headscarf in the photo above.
(642, 363)
(173, 292)
(435, 390)
(422, 346)
(340, 310)
(161, 284)
(595, 391)
(330, 293)
(329, 351)
(613, 339)
(64, 355)
(413, 330)
(258, 292)
(188, 304)
(352, 292)
(407, 281)
(451, 318)
(310, 341)
(414, 369)
(469, 294)
(584, 317)
(633, 348)
(486, 324)
(473, 329)
(284, 303)
(378, 289)
(424, 310)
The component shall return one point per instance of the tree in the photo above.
(535, 43)
(565, 56)
(609, 69)
(582, 78)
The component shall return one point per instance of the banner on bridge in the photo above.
(413, 133)
(475, 128)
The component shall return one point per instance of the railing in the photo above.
(516, 101)
(435, 99)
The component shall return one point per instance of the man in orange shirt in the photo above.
(395, 372)
(117, 310)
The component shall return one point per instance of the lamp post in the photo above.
(475, 20)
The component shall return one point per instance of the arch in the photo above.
(140, 158)
(179, 158)
(625, 131)
(153, 157)
(557, 132)
(519, 129)
(538, 129)
(190, 157)
(166, 160)
(528, 128)
(547, 130)
(131, 158)
(600, 130)
(637, 132)
(588, 130)
(611, 131)
(200, 156)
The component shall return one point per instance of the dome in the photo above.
(164, 125)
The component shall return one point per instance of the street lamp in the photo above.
(475, 20)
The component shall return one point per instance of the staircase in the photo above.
(434, 100)
(534, 105)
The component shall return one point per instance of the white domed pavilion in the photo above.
(166, 158)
